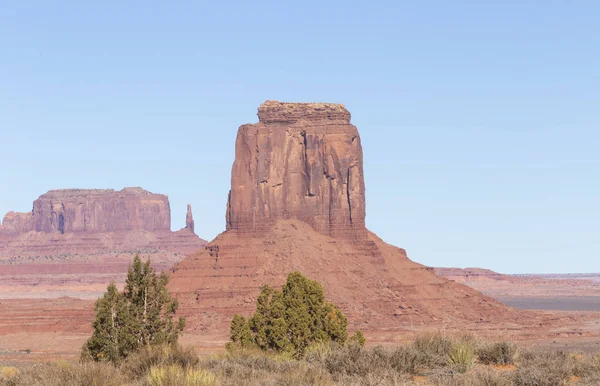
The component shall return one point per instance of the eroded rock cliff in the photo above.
(84, 210)
(301, 161)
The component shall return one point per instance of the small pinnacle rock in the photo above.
(189, 218)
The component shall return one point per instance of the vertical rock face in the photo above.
(302, 161)
(83, 210)
(189, 219)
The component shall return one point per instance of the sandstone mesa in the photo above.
(71, 221)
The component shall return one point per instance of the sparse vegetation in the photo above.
(427, 360)
(68, 374)
(358, 338)
(500, 353)
(139, 317)
(462, 355)
(291, 319)
(177, 376)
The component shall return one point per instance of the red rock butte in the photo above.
(297, 202)
(302, 161)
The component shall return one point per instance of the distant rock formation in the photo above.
(189, 219)
(93, 210)
(15, 223)
(95, 221)
(301, 161)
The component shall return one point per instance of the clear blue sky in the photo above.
(479, 119)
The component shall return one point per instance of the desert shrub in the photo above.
(243, 362)
(502, 353)
(586, 366)
(432, 349)
(358, 338)
(317, 352)
(352, 360)
(589, 380)
(65, 374)
(349, 363)
(544, 368)
(7, 374)
(382, 377)
(178, 376)
(434, 343)
(291, 319)
(479, 377)
(257, 367)
(140, 364)
(462, 355)
(140, 316)
(406, 359)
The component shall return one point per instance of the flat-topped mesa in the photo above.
(303, 161)
(321, 113)
(93, 210)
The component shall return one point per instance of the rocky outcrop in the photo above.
(94, 222)
(297, 202)
(15, 223)
(93, 210)
(301, 161)
(189, 219)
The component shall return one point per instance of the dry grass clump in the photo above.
(178, 376)
(428, 354)
(7, 374)
(257, 367)
(544, 368)
(499, 353)
(434, 347)
(139, 365)
(477, 377)
(69, 374)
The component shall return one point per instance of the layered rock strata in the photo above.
(93, 210)
(301, 161)
(95, 221)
